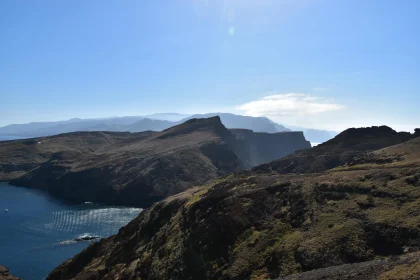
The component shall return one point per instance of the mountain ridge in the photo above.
(155, 122)
(338, 150)
(129, 168)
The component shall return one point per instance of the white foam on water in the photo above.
(82, 223)
(73, 220)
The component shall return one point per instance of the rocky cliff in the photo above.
(260, 224)
(5, 275)
(127, 168)
(260, 147)
(337, 151)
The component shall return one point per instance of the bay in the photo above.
(37, 231)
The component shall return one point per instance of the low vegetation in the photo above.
(266, 225)
(138, 168)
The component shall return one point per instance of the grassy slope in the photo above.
(261, 225)
(406, 267)
(337, 151)
(135, 169)
(121, 168)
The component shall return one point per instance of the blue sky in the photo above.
(321, 63)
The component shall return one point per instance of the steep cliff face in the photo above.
(132, 168)
(260, 147)
(264, 225)
(124, 168)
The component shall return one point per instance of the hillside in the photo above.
(129, 168)
(265, 225)
(337, 151)
(264, 147)
(405, 267)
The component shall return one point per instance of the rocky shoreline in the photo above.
(5, 274)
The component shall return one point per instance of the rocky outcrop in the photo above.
(134, 168)
(5, 275)
(265, 225)
(260, 147)
(86, 238)
(232, 121)
(342, 149)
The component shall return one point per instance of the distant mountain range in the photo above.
(156, 122)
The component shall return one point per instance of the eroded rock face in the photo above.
(5, 275)
(134, 168)
(263, 225)
(260, 147)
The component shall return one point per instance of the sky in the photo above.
(323, 64)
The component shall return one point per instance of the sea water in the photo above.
(9, 137)
(37, 230)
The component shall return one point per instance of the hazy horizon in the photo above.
(318, 64)
(182, 116)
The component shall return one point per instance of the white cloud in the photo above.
(289, 104)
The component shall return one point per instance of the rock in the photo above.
(5, 275)
(343, 148)
(260, 147)
(86, 238)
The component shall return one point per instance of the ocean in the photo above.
(37, 231)
(9, 137)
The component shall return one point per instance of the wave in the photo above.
(81, 238)
(99, 221)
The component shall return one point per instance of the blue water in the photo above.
(37, 231)
(9, 137)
